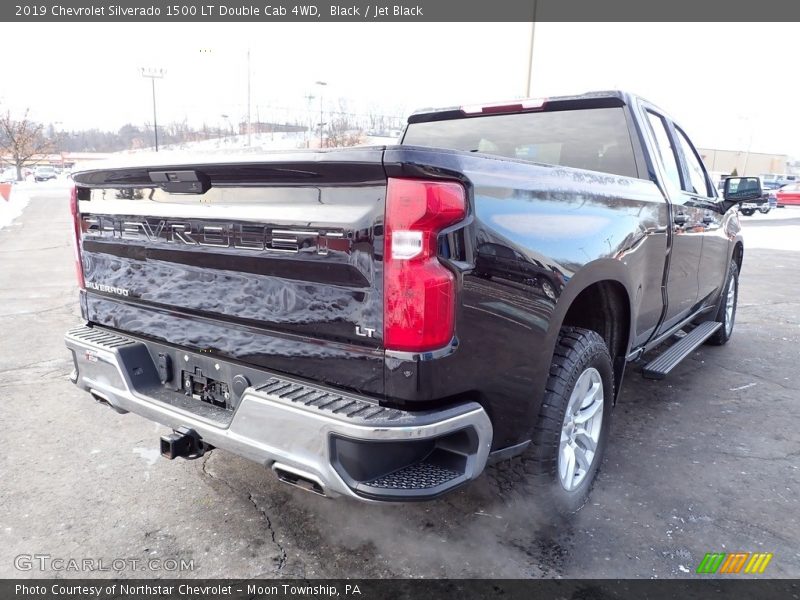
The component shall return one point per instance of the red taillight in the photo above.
(76, 237)
(419, 292)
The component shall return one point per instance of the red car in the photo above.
(789, 194)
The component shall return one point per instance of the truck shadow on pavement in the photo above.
(494, 526)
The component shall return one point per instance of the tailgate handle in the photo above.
(182, 182)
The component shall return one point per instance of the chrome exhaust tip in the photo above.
(298, 479)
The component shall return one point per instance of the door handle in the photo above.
(681, 219)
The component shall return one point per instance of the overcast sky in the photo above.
(730, 85)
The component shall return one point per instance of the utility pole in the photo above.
(529, 83)
(747, 119)
(248, 97)
(230, 126)
(747, 155)
(322, 84)
(309, 98)
(154, 74)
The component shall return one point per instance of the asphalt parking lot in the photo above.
(706, 460)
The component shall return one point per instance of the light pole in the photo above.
(248, 97)
(230, 126)
(747, 119)
(747, 155)
(59, 139)
(309, 97)
(528, 86)
(154, 74)
(321, 85)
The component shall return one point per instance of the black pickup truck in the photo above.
(382, 322)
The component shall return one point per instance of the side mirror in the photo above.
(742, 189)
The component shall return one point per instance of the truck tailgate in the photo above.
(276, 265)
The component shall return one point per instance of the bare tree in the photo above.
(342, 128)
(24, 140)
(378, 122)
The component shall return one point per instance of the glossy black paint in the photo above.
(331, 167)
(571, 227)
(703, 229)
(279, 276)
(535, 238)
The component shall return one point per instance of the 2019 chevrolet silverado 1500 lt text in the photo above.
(382, 322)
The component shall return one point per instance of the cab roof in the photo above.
(599, 99)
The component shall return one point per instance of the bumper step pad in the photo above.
(327, 401)
(420, 476)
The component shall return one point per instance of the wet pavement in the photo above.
(705, 460)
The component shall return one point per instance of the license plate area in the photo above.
(198, 386)
(198, 382)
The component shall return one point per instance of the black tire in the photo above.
(577, 351)
(724, 333)
(764, 210)
(748, 212)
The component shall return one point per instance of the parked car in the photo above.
(45, 173)
(750, 206)
(772, 202)
(8, 175)
(788, 194)
(381, 323)
(498, 260)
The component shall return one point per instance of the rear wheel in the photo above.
(748, 212)
(548, 289)
(764, 209)
(572, 428)
(726, 313)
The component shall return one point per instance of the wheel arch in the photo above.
(738, 254)
(598, 298)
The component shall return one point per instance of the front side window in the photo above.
(697, 184)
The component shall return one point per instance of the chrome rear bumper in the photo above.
(343, 443)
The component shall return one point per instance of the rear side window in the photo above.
(596, 139)
(665, 150)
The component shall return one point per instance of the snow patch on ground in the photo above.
(786, 237)
(21, 193)
(775, 237)
(233, 148)
(776, 214)
(258, 142)
(12, 208)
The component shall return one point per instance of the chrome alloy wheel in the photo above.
(580, 431)
(730, 303)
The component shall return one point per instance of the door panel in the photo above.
(687, 248)
(700, 194)
(687, 229)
